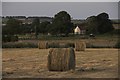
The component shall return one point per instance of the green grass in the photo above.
(69, 37)
(52, 37)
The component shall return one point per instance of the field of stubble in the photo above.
(32, 63)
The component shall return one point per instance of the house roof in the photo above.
(81, 27)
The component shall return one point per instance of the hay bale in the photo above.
(43, 45)
(61, 59)
(80, 46)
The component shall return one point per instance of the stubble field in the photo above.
(32, 63)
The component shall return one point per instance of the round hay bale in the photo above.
(80, 46)
(61, 59)
(43, 45)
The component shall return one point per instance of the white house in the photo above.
(77, 30)
(80, 30)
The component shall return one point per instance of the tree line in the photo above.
(60, 25)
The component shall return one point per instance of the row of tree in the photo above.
(60, 25)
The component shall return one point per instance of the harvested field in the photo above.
(32, 63)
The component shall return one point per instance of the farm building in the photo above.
(79, 30)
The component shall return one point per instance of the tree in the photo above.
(35, 25)
(92, 25)
(61, 23)
(99, 24)
(26, 28)
(12, 27)
(43, 27)
(10, 30)
(103, 16)
(105, 24)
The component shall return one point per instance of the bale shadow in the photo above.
(89, 69)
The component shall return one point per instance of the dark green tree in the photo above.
(35, 24)
(43, 27)
(12, 27)
(103, 16)
(99, 24)
(61, 23)
(26, 28)
(105, 24)
(92, 25)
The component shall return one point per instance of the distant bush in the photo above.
(19, 45)
(59, 45)
(27, 38)
(9, 38)
(117, 44)
(90, 45)
(116, 31)
(14, 38)
(53, 45)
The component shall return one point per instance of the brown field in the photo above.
(32, 63)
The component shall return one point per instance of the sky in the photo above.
(77, 10)
(60, 0)
(0, 8)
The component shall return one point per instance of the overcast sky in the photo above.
(78, 10)
(60, 0)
